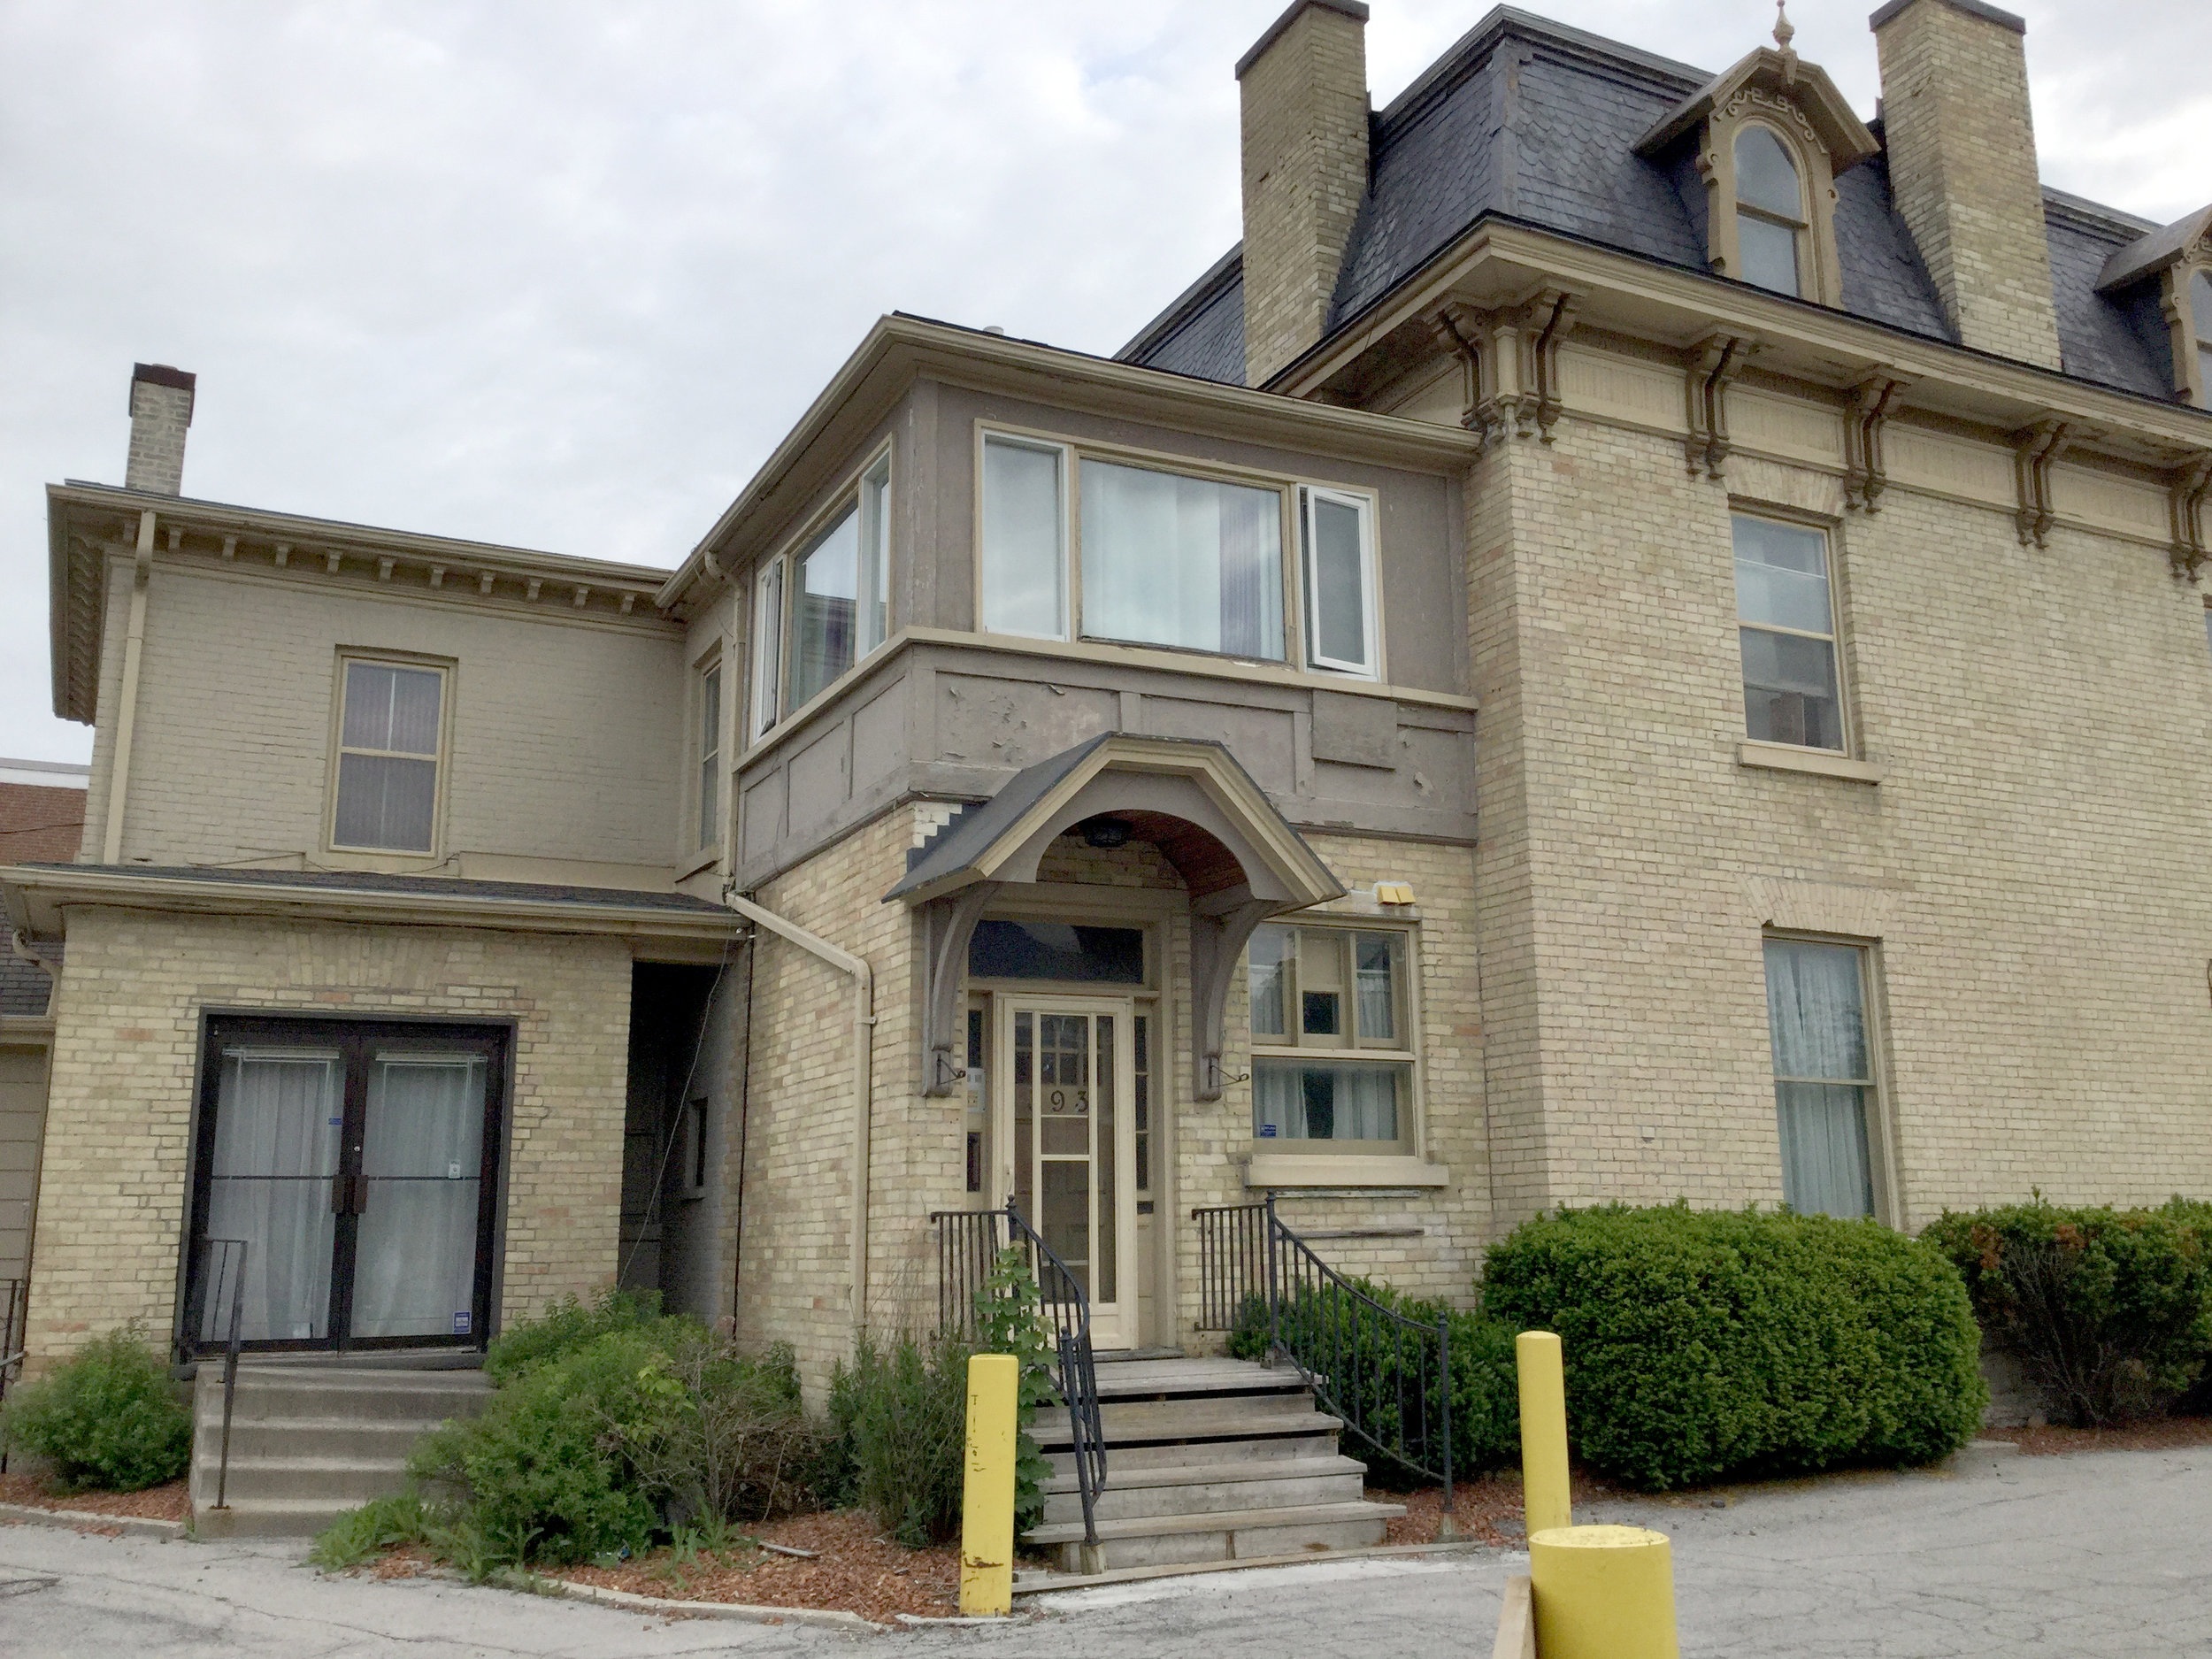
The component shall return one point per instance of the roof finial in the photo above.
(1784, 31)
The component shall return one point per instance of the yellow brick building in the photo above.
(1638, 639)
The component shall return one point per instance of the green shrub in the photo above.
(2109, 1311)
(898, 1417)
(107, 1417)
(1701, 1344)
(722, 1438)
(1010, 1319)
(1377, 1362)
(568, 1324)
(361, 1535)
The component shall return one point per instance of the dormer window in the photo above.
(2201, 308)
(2176, 259)
(1770, 219)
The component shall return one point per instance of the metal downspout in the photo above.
(864, 1046)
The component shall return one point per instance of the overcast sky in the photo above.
(560, 275)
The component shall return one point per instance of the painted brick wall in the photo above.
(113, 1190)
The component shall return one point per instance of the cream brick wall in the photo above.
(1304, 131)
(113, 1185)
(1962, 172)
(567, 739)
(2027, 864)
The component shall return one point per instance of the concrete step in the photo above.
(343, 1481)
(270, 1517)
(1228, 1418)
(1200, 1488)
(388, 1441)
(271, 1393)
(1174, 1455)
(1166, 1379)
(1226, 1535)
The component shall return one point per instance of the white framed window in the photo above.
(1333, 1038)
(391, 738)
(1771, 224)
(1825, 1090)
(710, 742)
(1337, 530)
(1787, 630)
(2200, 311)
(1024, 538)
(1153, 555)
(767, 646)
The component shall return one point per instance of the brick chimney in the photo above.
(161, 409)
(1962, 168)
(1303, 92)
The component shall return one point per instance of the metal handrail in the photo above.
(223, 1262)
(15, 1300)
(1386, 1375)
(968, 1246)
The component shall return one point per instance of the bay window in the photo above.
(1150, 555)
(821, 610)
(2200, 309)
(710, 748)
(1332, 1039)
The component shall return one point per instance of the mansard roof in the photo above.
(1529, 121)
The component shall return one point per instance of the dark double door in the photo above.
(357, 1162)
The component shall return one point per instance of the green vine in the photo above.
(1010, 1319)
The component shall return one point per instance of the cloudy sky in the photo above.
(560, 273)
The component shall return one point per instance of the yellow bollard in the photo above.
(1547, 1498)
(1603, 1593)
(986, 1503)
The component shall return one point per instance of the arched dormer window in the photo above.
(2200, 309)
(1770, 219)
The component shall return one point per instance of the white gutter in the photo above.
(127, 701)
(864, 1056)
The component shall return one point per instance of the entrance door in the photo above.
(356, 1163)
(1066, 1121)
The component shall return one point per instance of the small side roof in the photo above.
(2166, 246)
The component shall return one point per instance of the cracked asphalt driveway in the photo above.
(2086, 1556)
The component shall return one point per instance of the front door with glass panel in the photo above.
(1070, 1144)
(356, 1163)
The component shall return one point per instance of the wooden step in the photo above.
(1219, 1418)
(1165, 1379)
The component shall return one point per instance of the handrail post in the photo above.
(1274, 1286)
(230, 1370)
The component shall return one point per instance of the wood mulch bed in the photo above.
(856, 1568)
(2159, 1434)
(169, 1503)
(1488, 1508)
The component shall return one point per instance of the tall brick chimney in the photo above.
(1962, 168)
(1303, 92)
(161, 409)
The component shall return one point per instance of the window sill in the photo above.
(1342, 1168)
(1819, 763)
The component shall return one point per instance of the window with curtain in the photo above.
(709, 755)
(275, 1154)
(1339, 582)
(1823, 1077)
(2201, 308)
(389, 733)
(1785, 619)
(1174, 560)
(1025, 539)
(767, 646)
(422, 1158)
(1331, 1042)
(1770, 211)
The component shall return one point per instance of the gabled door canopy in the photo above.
(1242, 860)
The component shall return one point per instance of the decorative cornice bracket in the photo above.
(1513, 358)
(2189, 494)
(1710, 367)
(2035, 450)
(1866, 474)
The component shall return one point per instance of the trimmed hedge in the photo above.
(2109, 1310)
(1704, 1344)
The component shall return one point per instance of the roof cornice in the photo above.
(900, 349)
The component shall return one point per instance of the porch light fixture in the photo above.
(1106, 832)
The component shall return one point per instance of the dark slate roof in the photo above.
(1529, 120)
(24, 986)
(447, 887)
(973, 828)
(2120, 339)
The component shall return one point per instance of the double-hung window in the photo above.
(1078, 546)
(391, 733)
(710, 755)
(1824, 1074)
(822, 609)
(1770, 219)
(1785, 616)
(1331, 1038)
(2200, 310)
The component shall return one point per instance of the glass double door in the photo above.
(355, 1164)
(1070, 1138)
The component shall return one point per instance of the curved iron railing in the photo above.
(1385, 1375)
(969, 1243)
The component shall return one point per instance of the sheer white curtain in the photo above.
(1169, 560)
(415, 1262)
(277, 1122)
(1324, 1100)
(1817, 1017)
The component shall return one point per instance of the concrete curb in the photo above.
(78, 1520)
(1052, 1584)
(1517, 1622)
(831, 1618)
